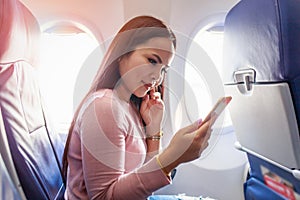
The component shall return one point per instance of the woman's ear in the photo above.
(119, 59)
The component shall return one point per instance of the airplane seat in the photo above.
(262, 74)
(30, 148)
(8, 188)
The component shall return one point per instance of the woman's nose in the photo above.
(156, 76)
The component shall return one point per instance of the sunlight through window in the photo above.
(211, 41)
(62, 56)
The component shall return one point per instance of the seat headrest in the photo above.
(264, 36)
(19, 33)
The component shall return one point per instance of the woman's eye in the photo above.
(152, 61)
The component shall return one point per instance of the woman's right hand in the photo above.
(187, 144)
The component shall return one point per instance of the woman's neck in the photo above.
(123, 92)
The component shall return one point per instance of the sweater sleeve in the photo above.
(103, 145)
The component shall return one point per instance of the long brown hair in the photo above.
(136, 31)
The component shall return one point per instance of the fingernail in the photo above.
(199, 121)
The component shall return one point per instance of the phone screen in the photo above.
(218, 107)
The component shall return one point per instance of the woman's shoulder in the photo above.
(98, 99)
(104, 99)
(102, 94)
(104, 103)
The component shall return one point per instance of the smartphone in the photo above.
(218, 107)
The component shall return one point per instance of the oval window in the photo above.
(63, 52)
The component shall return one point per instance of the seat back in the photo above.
(262, 73)
(8, 176)
(34, 147)
(8, 189)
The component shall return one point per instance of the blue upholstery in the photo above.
(257, 190)
(8, 189)
(256, 171)
(35, 149)
(264, 35)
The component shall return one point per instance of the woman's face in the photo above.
(142, 69)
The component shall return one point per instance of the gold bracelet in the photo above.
(156, 137)
(161, 166)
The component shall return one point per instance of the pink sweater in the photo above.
(107, 153)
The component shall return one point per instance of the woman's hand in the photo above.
(187, 144)
(152, 110)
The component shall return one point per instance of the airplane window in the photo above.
(210, 41)
(62, 57)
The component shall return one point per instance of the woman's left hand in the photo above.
(152, 110)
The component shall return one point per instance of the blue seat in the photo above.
(34, 150)
(8, 177)
(262, 74)
(8, 189)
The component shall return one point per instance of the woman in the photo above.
(112, 150)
